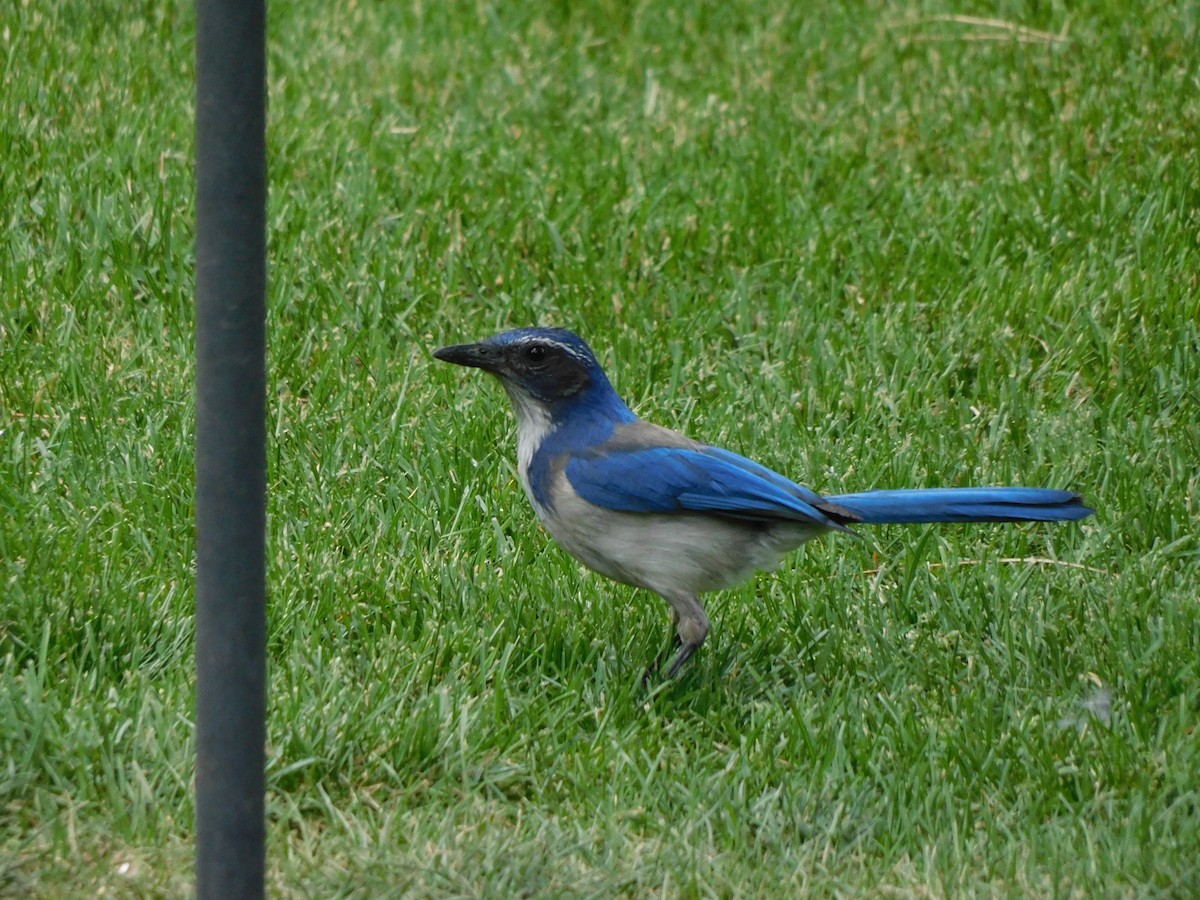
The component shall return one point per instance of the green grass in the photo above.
(862, 243)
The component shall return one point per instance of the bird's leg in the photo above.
(691, 625)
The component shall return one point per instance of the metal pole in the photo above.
(231, 196)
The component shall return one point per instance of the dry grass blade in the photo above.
(995, 30)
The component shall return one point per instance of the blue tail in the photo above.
(1010, 504)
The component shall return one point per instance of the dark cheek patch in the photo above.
(573, 377)
(562, 378)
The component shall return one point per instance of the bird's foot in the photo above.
(684, 654)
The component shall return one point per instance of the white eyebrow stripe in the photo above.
(570, 350)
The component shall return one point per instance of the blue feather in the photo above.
(1007, 504)
(674, 479)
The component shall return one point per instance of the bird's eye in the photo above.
(536, 353)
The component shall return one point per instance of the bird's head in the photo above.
(549, 368)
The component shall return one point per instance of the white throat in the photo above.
(533, 427)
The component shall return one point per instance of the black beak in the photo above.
(477, 356)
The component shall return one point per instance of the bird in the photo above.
(649, 507)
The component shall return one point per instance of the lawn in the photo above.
(871, 245)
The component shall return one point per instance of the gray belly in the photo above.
(670, 554)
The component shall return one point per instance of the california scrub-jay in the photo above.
(649, 507)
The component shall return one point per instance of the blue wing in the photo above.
(701, 479)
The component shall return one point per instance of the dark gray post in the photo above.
(231, 193)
